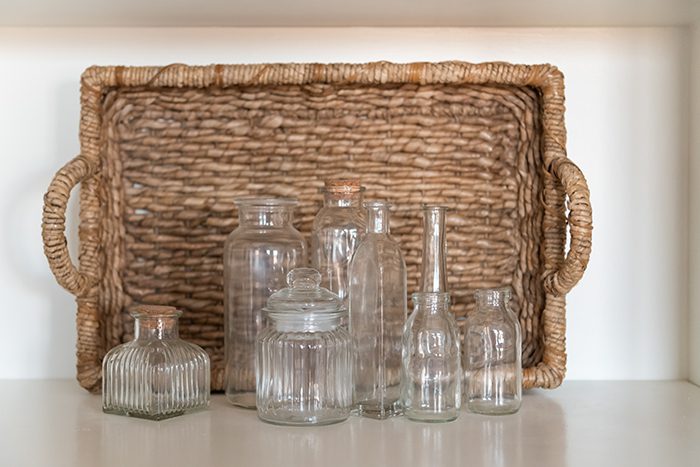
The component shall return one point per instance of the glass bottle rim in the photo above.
(154, 311)
(505, 293)
(377, 204)
(264, 201)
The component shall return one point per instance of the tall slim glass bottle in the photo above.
(336, 232)
(257, 257)
(431, 367)
(377, 299)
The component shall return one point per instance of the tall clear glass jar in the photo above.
(304, 360)
(377, 314)
(257, 257)
(336, 232)
(492, 347)
(431, 361)
(157, 375)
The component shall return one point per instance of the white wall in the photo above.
(694, 276)
(627, 106)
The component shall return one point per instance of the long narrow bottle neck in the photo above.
(433, 278)
(378, 218)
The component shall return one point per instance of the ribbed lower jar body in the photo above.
(303, 377)
(155, 380)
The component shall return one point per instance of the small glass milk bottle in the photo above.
(492, 347)
(336, 232)
(257, 257)
(157, 375)
(431, 361)
(377, 316)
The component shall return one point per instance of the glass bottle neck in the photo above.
(433, 277)
(265, 216)
(378, 218)
(148, 328)
(431, 302)
(333, 199)
(490, 299)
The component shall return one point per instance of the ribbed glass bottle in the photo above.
(431, 361)
(157, 375)
(377, 316)
(336, 232)
(493, 369)
(257, 257)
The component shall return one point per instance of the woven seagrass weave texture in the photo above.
(165, 151)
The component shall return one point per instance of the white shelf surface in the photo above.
(597, 424)
(355, 13)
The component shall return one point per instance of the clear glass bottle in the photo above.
(492, 347)
(157, 375)
(431, 361)
(336, 232)
(257, 257)
(304, 359)
(377, 314)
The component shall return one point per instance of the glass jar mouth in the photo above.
(431, 297)
(499, 293)
(377, 204)
(343, 186)
(264, 201)
(154, 311)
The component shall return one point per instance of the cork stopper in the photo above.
(343, 185)
(154, 311)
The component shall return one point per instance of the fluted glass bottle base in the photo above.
(245, 400)
(488, 407)
(149, 416)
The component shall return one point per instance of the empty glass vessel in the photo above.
(336, 232)
(377, 315)
(431, 368)
(257, 257)
(157, 375)
(493, 369)
(304, 360)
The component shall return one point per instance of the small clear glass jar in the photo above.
(336, 232)
(257, 257)
(492, 360)
(304, 359)
(157, 375)
(377, 314)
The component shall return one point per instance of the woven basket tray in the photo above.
(164, 152)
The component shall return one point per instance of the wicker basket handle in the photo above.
(53, 226)
(580, 223)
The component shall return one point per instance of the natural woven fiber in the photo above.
(164, 152)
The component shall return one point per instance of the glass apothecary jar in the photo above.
(377, 314)
(157, 375)
(304, 360)
(257, 257)
(336, 233)
(492, 347)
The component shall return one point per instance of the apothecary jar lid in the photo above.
(304, 299)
